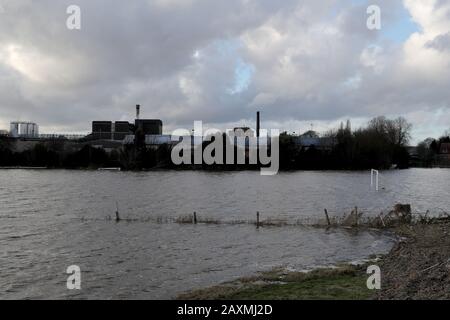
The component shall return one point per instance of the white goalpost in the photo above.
(374, 177)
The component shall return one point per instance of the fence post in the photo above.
(117, 212)
(328, 218)
(257, 220)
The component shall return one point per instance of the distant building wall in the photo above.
(24, 129)
(149, 127)
(121, 130)
(108, 130)
(102, 130)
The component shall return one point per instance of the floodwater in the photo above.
(52, 219)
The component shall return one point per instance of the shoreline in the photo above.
(417, 267)
(207, 170)
(24, 168)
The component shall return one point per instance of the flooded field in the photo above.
(50, 220)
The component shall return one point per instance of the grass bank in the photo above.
(344, 283)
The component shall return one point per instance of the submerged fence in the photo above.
(400, 215)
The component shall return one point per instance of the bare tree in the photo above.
(397, 131)
(378, 124)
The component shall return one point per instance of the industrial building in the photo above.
(108, 130)
(149, 127)
(102, 130)
(24, 130)
(113, 135)
(119, 130)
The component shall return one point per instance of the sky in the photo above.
(301, 63)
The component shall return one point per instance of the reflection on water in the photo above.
(52, 219)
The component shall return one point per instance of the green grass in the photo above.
(342, 287)
(344, 283)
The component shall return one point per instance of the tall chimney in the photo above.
(258, 124)
(138, 111)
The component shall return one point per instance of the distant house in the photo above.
(310, 135)
(242, 132)
(444, 152)
(445, 148)
(311, 139)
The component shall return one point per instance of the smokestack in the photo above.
(258, 124)
(138, 111)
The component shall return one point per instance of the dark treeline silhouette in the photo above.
(380, 145)
(430, 152)
(43, 155)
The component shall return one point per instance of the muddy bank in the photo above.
(418, 267)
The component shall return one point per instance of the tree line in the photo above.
(381, 144)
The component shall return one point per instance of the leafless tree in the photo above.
(397, 131)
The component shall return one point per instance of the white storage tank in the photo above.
(24, 129)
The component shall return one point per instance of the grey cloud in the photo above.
(306, 57)
(440, 43)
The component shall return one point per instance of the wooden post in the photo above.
(117, 212)
(382, 220)
(257, 220)
(328, 218)
(195, 217)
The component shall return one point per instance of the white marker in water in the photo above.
(372, 174)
